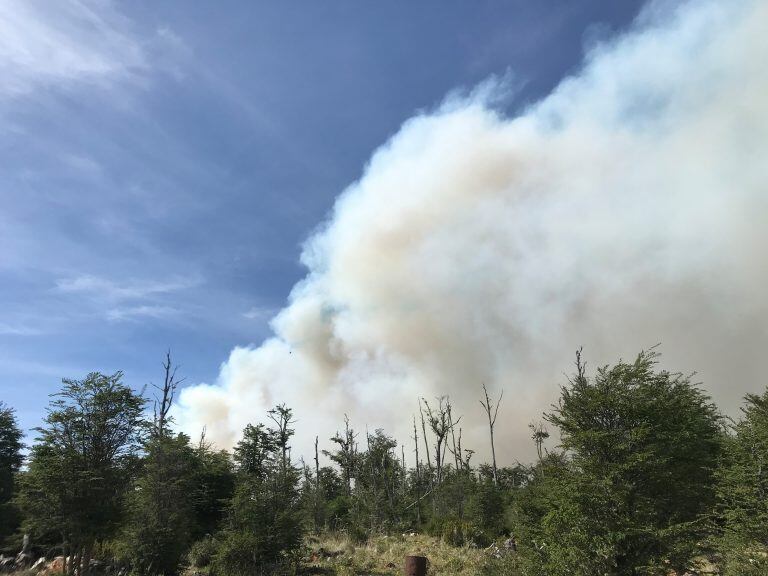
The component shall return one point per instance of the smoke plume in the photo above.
(628, 207)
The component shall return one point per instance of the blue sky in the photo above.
(162, 162)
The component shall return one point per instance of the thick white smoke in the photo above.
(629, 207)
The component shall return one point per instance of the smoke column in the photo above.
(628, 207)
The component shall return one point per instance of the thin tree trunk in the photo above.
(317, 487)
(418, 470)
(426, 443)
(453, 438)
(405, 470)
(489, 407)
(76, 559)
(87, 559)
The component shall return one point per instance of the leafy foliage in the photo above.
(264, 524)
(646, 477)
(637, 476)
(10, 463)
(82, 464)
(743, 492)
(161, 515)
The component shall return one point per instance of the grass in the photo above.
(335, 554)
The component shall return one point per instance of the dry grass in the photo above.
(384, 555)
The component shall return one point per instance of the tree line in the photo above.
(648, 477)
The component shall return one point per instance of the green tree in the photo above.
(179, 495)
(486, 508)
(161, 516)
(82, 464)
(10, 463)
(642, 448)
(376, 502)
(743, 492)
(254, 454)
(346, 454)
(214, 486)
(264, 524)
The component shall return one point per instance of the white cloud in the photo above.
(76, 42)
(130, 299)
(626, 208)
(259, 313)
(139, 312)
(17, 330)
(82, 165)
(106, 289)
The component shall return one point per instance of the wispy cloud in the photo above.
(138, 312)
(131, 289)
(260, 313)
(82, 165)
(17, 330)
(128, 300)
(44, 43)
(70, 42)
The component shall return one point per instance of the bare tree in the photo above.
(456, 449)
(317, 466)
(416, 444)
(539, 433)
(405, 470)
(456, 455)
(426, 443)
(489, 407)
(418, 468)
(281, 415)
(346, 456)
(439, 423)
(165, 396)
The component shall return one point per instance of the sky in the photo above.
(163, 161)
(194, 176)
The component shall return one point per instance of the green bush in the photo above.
(486, 510)
(457, 532)
(202, 552)
(638, 478)
(265, 522)
(742, 489)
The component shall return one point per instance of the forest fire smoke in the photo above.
(626, 208)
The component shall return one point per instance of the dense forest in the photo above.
(643, 475)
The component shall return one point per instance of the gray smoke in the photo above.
(628, 207)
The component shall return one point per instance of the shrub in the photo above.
(202, 552)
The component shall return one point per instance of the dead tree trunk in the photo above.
(167, 392)
(456, 456)
(426, 443)
(418, 469)
(488, 405)
(438, 423)
(416, 444)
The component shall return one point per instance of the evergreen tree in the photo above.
(377, 492)
(82, 464)
(10, 463)
(214, 486)
(743, 492)
(161, 515)
(643, 446)
(264, 524)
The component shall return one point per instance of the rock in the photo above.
(55, 566)
(7, 564)
(26, 544)
(23, 560)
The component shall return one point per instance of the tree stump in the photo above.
(415, 566)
